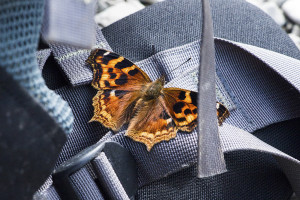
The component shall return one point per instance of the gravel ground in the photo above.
(286, 13)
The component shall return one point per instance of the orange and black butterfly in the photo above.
(126, 95)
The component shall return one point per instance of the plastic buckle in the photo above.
(116, 154)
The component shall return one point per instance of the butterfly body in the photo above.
(126, 95)
(153, 90)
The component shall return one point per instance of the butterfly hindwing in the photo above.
(222, 113)
(113, 71)
(152, 123)
(182, 105)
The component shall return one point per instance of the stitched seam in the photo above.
(77, 53)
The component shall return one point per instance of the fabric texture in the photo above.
(60, 24)
(107, 173)
(20, 24)
(263, 102)
(210, 156)
(234, 20)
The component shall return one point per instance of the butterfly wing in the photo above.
(119, 82)
(112, 71)
(222, 113)
(113, 108)
(182, 105)
(152, 123)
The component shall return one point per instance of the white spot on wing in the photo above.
(169, 120)
(112, 93)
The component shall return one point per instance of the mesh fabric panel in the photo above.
(20, 24)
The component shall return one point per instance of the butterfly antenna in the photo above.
(182, 64)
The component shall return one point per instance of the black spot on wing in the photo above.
(164, 115)
(194, 98)
(133, 72)
(109, 57)
(106, 94)
(123, 64)
(98, 73)
(178, 106)
(120, 93)
(187, 111)
(110, 70)
(181, 119)
(113, 76)
(121, 80)
(221, 108)
(195, 111)
(106, 83)
(182, 95)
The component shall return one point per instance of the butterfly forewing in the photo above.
(119, 82)
(112, 71)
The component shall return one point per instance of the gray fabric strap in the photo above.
(72, 59)
(85, 186)
(42, 57)
(210, 156)
(232, 139)
(276, 60)
(105, 172)
(258, 102)
(182, 150)
(70, 22)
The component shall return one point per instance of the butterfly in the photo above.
(126, 95)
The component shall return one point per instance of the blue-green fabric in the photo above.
(20, 24)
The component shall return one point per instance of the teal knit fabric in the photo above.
(20, 24)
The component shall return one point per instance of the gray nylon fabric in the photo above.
(62, 19)
(182, 150)
(257, 101)
(168, 25)
(269, 103)
(80, 180)
(210, 156)
(79, 72)
(107, 174)
(42, 57)
(20, 24)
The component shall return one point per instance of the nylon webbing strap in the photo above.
(106, 173)
(104, 170)
(72, 59)
(70, 22)
(210, 156)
